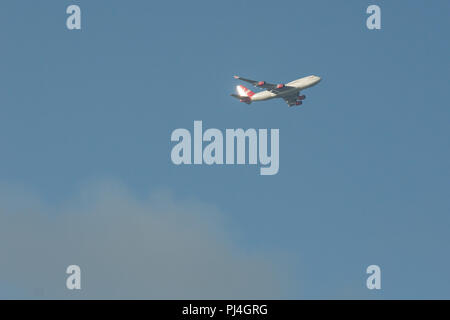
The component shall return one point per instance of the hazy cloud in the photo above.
(128, 248)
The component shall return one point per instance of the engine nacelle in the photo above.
(297, 103)
(261, 83)
(279, 86)
(302, 97)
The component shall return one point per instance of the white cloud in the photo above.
(129, 248)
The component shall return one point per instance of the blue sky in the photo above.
(364, 163)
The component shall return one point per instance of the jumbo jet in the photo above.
(290, 92)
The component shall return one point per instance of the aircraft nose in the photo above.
(318, 79)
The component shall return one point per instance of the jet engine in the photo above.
(279, 86)
(261, 83)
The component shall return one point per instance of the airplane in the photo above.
(290, 92)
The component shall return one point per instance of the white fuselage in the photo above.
(297, 86)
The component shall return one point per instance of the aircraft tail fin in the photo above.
(243, 91)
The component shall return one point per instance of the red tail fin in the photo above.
(244, 92)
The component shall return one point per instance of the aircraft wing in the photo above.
(262, 84)
(259, 84)
(292, 99)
